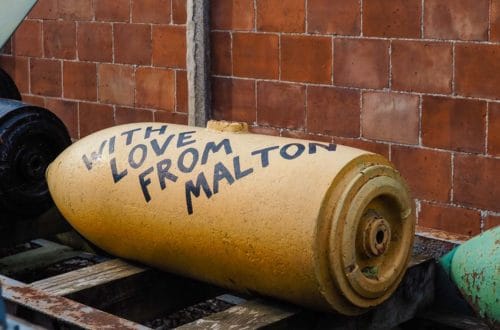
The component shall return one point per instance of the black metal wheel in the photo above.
(30, 139)
(8, 89)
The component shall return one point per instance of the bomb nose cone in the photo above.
(321, 225)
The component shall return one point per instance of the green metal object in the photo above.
(12, 13)
(475, 269)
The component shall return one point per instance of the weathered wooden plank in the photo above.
(253, 314)
(415, 292)
(88, 277)
(20, 231)
(435, 243)
(62, 309)
(146, 295)
(130, 291)
(48, 254)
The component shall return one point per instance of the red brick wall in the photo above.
(98, 63)
(415, 80)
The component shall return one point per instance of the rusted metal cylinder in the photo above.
(475, 269)
(325, 226)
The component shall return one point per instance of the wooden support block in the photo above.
(253, 314)
(415, 292)
(88, 277)
(127, 290)
(47, 254)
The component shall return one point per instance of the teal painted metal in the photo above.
(12, 13)
(475, 269)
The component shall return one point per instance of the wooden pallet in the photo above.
(115, 294)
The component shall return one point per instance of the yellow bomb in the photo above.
(317, 224)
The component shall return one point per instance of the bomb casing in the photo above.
(321, 225)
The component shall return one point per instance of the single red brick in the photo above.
(155, 88)
(334, 16)
(361, 63)
(452, 219)
(151, 11)
(80, 80)
(116, 84)
(494, 129)
(132, 115)
(281, 105)
(378, 148)
(264, 130)
(28, 39)
(495, 20)
(454, 124)
(232, 15)
(491, 222)
(428, 172)
(281, 16)
(67, 111)
(45, 9)
(45, 76)
(169, 46)
(18, 69)
(306, 59)
(171, 117)
(476, 70)
(59, 39)
(392, 18)
(112, 10)
(132, 43)
(76, 10)
(305, 136)
(179, 11)
(459, 19)
(390, 117)
(422, 66)
(34, 100)
(181, 91)
(333, 111)
(234, 100)
(220, 45)
(256, 55)
(94, 117)
(476, 182)
(95, 42)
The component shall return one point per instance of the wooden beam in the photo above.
(49, 253)
(252, 314)
(415, 292)
(88, 277)
(198, 62)
(118, 287)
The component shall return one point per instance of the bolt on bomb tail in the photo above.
(325, 226)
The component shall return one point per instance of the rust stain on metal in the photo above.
(61, 308)
(440, 235)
